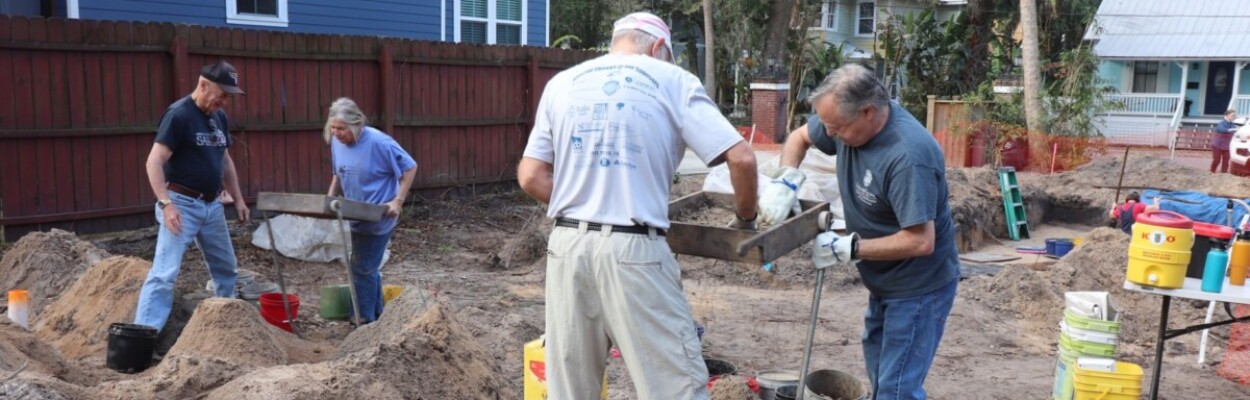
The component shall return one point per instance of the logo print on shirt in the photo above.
(601, 112)
(611, 87)
(211, 139)
(620, 106)
(577, 143)
(861, 192)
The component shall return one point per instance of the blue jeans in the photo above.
(201, 222)
(367, 252)
(901, 337)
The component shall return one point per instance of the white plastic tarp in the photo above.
(821, 184)
(304, 238)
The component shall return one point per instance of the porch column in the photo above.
(1180, 97)
(1236, 84)
(1180, 107)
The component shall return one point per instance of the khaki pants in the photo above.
(607, 288)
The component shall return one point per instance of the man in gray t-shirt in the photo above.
(900, 234)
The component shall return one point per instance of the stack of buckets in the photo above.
(1086, 368)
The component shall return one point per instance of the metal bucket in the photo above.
(830, 384)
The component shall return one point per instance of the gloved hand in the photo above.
(833, 249)
(739, 223)
(779, 197)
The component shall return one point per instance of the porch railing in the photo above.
(1143, 103)
(1242, 105)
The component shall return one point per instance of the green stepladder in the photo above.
(1013, 204)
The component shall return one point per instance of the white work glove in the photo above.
(780, 196)
(739, 223)
(833, 249)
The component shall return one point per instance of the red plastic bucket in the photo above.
(272, 311)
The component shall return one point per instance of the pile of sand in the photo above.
(416, 350)
(233, 330)
(1142, 171)
(1036, 297)
(422, 350)
(176, 377)
(732, 387)
(20, 347)
(77, 323)
(46, 264)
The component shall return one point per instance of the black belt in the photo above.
(635, 229)
(192, 193)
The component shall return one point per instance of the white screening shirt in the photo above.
(614, 129)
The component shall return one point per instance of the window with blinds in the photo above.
(257, 12)
(263, 7)
(491, 21)
(866, 17)
(828, 18)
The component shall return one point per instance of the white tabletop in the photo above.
(1193, 290)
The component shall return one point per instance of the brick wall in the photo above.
(768, 110)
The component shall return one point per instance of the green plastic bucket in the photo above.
(335, 302)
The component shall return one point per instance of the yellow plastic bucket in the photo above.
(535, 374)
(1160, 249)
(390, 292)
(1125, 383)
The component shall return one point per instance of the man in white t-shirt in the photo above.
(607, 138)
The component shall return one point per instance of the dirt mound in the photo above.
(1036, 297)
(20, 347)
(529, 244)
(46, 263)
(323, 381)
(732, 388)
(396, 317)
(976, 206)
(423, 351)
(234, 331)
(33, 386)
(77, 323)
(177, 377)
(1143, 171)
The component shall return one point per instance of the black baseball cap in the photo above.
(224, 75)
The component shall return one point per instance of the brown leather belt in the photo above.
(186, 191)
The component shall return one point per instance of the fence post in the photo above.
(533, 89)
(178, 49)
(387, 77)
(928, 121)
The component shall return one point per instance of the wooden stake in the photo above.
(1121, 183)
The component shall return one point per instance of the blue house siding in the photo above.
(25, 8)
(387, 18)
(200, 12)
(411, 20)
(537, 23)
(450, 21)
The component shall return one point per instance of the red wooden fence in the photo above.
(80, 101)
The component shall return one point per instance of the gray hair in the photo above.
(344, 109)
(853, 86)
(643, 40)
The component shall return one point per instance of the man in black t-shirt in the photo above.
(899, 230)
(187, 168)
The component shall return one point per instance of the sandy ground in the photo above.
(480, 258)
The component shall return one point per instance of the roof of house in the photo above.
(1172, 29)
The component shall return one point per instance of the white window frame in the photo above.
(826, 8)
(492, 22)
(233, 16)
(860, 17)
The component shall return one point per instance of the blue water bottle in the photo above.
(1213, 271)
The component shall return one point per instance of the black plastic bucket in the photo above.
(787, 392)
(719, 367)
(130, 347)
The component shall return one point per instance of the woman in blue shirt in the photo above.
(369, 166)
